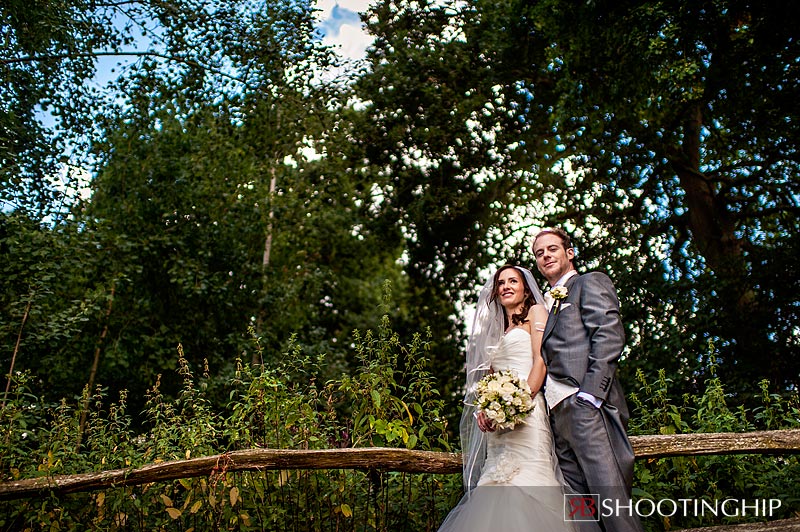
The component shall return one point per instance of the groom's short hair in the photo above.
(566, 241)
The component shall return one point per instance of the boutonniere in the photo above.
(559, 293)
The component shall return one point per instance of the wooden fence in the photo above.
(377, 458)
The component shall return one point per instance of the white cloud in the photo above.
(341, 25)
(353, 41)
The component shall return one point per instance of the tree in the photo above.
(182, 208)
(225, 219)
(661, 133)
(235, 187)
(47, 103)
(439, 137)
(680, 119)
(55, 289)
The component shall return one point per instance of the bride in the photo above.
(511, 477)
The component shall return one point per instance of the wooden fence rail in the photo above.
(377, 458)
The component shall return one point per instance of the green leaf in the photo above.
(376, 398)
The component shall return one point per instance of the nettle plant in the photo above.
(711, 478)
(390, 399)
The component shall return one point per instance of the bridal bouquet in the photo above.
(504, 398)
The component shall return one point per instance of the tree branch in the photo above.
(58, 57)
(16, 349)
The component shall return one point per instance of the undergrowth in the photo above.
(391, 400)
(687, 487)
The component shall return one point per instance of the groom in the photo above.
(582, 343)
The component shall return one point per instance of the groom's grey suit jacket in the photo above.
(582, 344)
(583, 340)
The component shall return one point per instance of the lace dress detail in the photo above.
(504, 469)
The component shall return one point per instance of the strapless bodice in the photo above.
(514, 353)
(521, 461)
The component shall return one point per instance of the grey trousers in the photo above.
(596, 457)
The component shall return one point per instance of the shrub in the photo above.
(390, 400)
(741, 477)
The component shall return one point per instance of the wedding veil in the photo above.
(487, 330)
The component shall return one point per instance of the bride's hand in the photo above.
(484, 423)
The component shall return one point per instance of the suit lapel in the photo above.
(548, 328)
(553, 317)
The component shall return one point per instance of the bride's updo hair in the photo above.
(527, 300)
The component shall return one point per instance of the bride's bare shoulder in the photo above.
(537, 311)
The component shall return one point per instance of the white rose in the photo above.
(508, 388)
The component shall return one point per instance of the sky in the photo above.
(342, 28)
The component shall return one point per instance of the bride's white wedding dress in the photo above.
(519, 488)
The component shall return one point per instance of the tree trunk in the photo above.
(713, 229)
(93, 370)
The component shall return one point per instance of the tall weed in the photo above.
(391, 400)
(739, 477)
